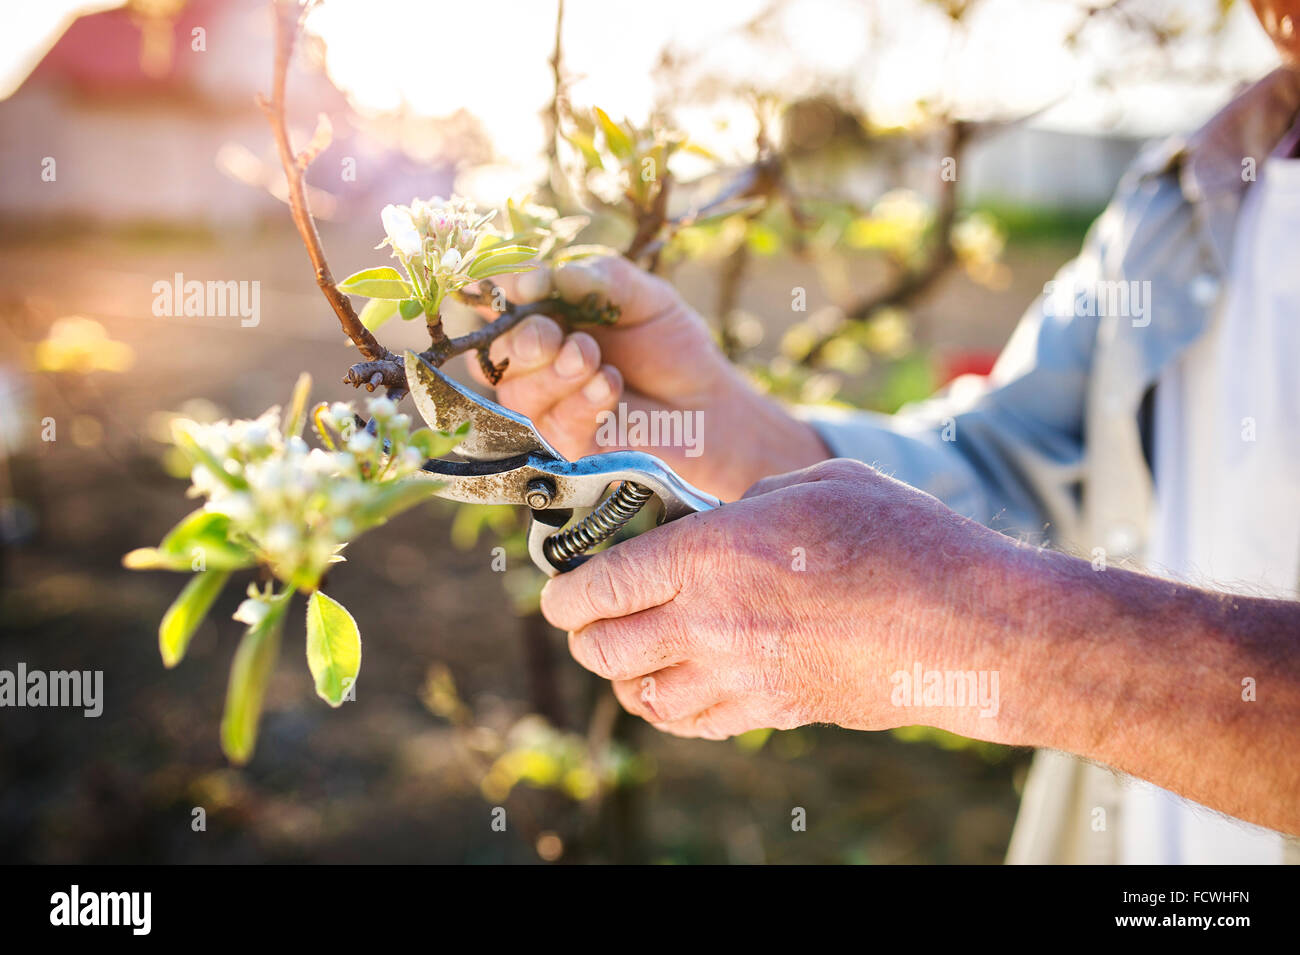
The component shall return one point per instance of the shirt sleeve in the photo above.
(1006, 449)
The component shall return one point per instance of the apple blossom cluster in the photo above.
(445, 244)
(292, 506)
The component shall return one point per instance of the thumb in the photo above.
(639, 295)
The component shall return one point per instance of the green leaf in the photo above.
(472, 519)
(199, 455)
(488, 241)
(393, 497)
(436, 444)
(508, 253)
(505, 258)
(205, 536)
(519, 222)
(735, 207)
(696, 149)
(199, 542)
(151, 558)
(618, 141)
(499, 268)
(377, 311)
(333, 647)
(752, 741)
(381, 282)
(574, 252)
(410, 308)
(187, 612)
(585, 144)
(249, 674)
(297, 416)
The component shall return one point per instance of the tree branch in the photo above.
(295, 167)
(552, 111)
(381, 367)
(390, 371)
(914, 282)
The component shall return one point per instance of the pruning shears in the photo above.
(506, 461)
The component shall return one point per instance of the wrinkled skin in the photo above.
(707, 627)
(704, 625)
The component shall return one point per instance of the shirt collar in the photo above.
(1211, 164)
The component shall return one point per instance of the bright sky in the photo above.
(490, 58)
(30, 29)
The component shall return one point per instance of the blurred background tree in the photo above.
(860, 196)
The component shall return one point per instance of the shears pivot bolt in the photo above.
(540, 494)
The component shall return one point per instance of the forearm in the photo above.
(1195, 691)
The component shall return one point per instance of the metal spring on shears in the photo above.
(601, 524)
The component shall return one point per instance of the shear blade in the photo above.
(495, 432)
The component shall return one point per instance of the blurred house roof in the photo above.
(212, 54)
(149, 112)
(124, 51)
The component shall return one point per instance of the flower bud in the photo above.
(400, 227)
(381, 408)
(252, 611)
(362, 443)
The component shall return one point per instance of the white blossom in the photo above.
(438, 241)
(399, 224)
(252, 611)
(362, 443)
(381, 408)
(296, 506)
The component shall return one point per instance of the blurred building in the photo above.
(1042, 168)
(147, 113)
(1008, 163)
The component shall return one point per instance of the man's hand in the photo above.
(792, 606)
(658, 357)
(822, 595)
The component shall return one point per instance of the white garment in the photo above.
(1227, 470)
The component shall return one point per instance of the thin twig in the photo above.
(912, 283)
(650, 222)
(552, 112)
(295, 167)
(381, 367)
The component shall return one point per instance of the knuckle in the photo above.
(661, 698)
(590, 648)
(610, 589)
(627, 694)
(708, 726)
(618, 662)
(764, 485)
(842, 469)
(648, 701)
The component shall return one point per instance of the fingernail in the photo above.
(569, 363)
(527, 342)
(597, 391)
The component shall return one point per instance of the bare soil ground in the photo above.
(381, 779)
